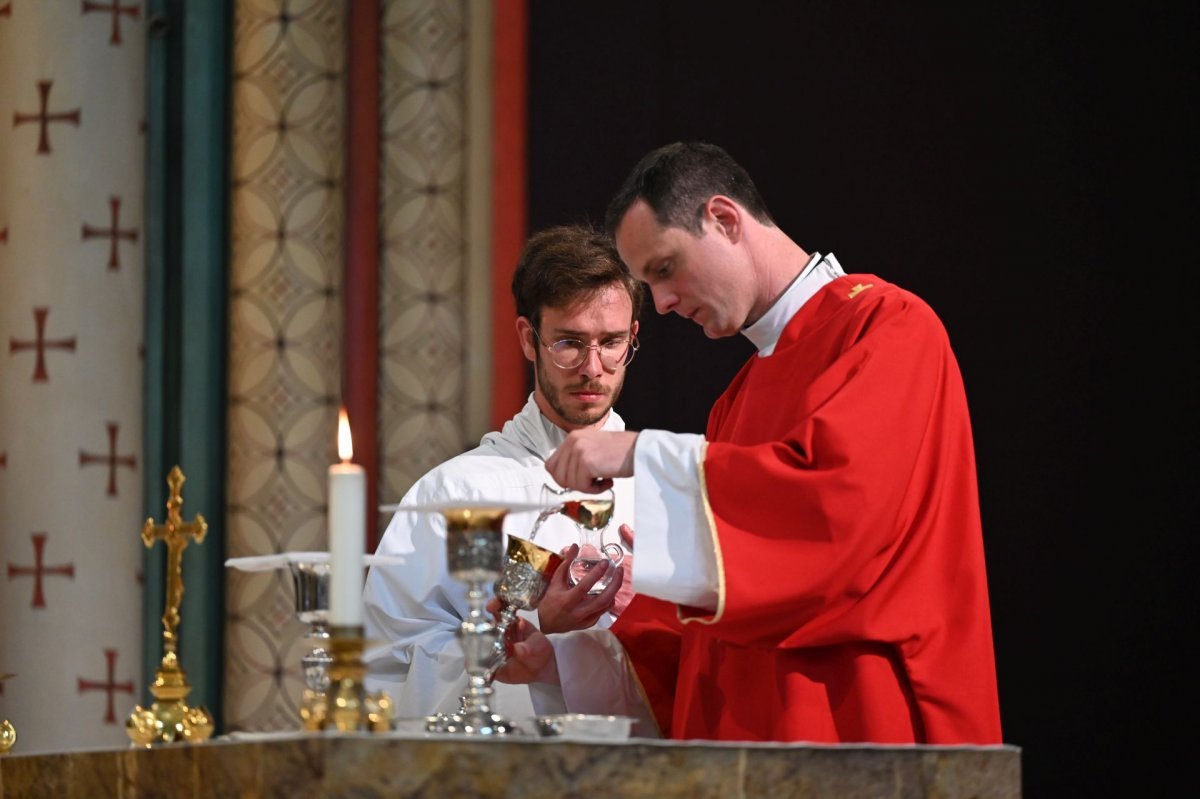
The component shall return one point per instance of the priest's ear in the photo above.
(525, 336)
(726, 215)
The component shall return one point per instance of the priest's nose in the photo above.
(664, 300)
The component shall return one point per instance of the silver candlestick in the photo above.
(333, 651)
(311, 581)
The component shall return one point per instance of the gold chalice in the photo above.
(527, 571)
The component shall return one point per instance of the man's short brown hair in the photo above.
(567, 264)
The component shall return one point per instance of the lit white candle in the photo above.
(347, 532)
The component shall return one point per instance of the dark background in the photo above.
(1029, 172)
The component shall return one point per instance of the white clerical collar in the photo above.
(817, 273)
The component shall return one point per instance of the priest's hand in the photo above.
(530, 657)
(566, 607)
(588, 460)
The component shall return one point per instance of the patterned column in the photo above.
(71, 295)
(285, 334)
(425, 245)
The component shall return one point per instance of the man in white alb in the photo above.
(577, 308)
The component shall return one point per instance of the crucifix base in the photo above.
(169, 719)
(8, 736)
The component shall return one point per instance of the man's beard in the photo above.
(582, 417)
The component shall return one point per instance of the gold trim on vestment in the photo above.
(712, 531)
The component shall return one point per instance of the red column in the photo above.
(360, 348)
(509, 200)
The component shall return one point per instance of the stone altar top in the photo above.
(301, 765)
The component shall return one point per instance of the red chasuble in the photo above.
(840, 481)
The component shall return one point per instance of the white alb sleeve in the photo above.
(676, 547)
(595, 676)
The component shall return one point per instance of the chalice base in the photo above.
(477, 723)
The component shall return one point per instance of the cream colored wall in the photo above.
(72, 635)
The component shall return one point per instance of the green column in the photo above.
(186, 266)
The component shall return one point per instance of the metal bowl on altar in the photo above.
(583, 725)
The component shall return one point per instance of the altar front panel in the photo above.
(395, 765)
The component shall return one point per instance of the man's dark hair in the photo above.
(561, 266)
(676, 180)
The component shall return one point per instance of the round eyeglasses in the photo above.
(570, 353)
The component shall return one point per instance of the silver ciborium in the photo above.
(528, 568)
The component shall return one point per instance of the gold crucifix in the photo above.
(175, 532)
(170, 719)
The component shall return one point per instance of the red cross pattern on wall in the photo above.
(4, 235)
(113, 233)
(117, 10)
(6, 10)
(112, 459)
(109, 686)
(41, 344)
(45, 117)
(40, 570)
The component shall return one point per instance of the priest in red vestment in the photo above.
(812, 568)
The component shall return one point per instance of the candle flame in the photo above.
(345, 442)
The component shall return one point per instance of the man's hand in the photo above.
(587, 460)
(567, 607)
(530, 657)
(625, 592)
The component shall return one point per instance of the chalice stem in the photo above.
(500, 648)
(477, 635)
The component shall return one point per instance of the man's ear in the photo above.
(525, 337)
(726, 215)
(633, 329)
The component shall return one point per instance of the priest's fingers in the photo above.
(626, 533)
(563, 466)
(587, 460)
